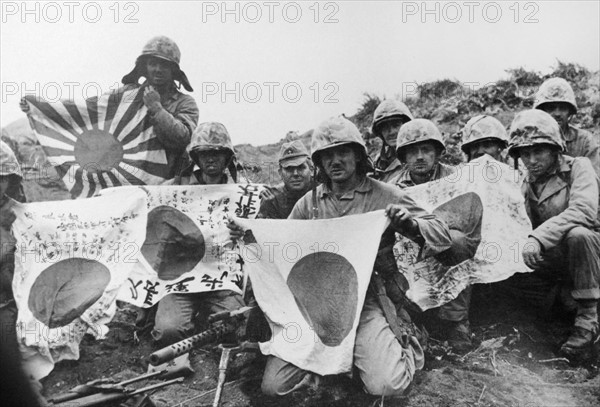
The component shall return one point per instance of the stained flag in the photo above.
(310, 279)
(187, 247)
(71, 259)
(483, 201)
(101, 142)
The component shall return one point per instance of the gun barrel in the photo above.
(179, 348)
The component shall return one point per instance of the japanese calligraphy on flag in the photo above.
(482, 201)
(71, 259)
(310, 278)
(187, 247)
(100, 142)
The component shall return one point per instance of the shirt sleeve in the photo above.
(301, 210)
(174, 129)
(582, 209)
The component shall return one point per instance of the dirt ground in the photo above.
(514, 364)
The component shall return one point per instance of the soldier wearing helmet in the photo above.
(295, 169)
(385, 365)
(419, 146)
(562, 199)
(173, 114)
(212, 153)
(484, 135)
(557, 98)
(388, 117)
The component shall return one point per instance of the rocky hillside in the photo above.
(447, 102)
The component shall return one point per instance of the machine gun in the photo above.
(226, 322)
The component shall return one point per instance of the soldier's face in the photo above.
(420, 158)
(388, 130)
(339, 163)
(560, 111)
(296, 177)
(539, 159)
(212, 163)
(491, 147)
(159, 72)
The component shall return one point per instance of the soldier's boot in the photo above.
(459, 336)
(585, 331)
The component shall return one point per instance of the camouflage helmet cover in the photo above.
(210, 136)
(164, 48)
(534, 127)
(388, 109)
(418, 131)
(483, 127)
(334, 132)
(8, 162)
(555, 90)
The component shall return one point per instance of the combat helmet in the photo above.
(8, 162)
(213, 136)
(534, 127)
(418, 131)
(483, 127)
(389, 109)
(334, 132)
(160, 47)
(555, 90)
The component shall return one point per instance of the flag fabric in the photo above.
(71, 259)
(310, 278)
(482, 199)
(187, 247)
(100, 142)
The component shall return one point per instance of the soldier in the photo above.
(385, 364)
(557, 98)
(484, 135)
(562, 200)
(295, 169)
(389, 116)
(419, 147)
(212, 152)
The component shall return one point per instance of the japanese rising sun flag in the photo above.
(310, 278)
(483, 202)
(71, 259)
(188, 247)
(101, 142)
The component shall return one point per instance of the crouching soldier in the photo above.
(386, 365)
(419, 147)
(562, 200)
(212, 153)
(484, 135)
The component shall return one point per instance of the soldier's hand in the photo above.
(152, 99)
(235, 231)
(402, 221)
(266, 193)
(24, 106)
(532, 253)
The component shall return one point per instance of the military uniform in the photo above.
(174, 124)
(175, 313)
(385, 366)
(564, 207)
(387, 165)
(282, 199)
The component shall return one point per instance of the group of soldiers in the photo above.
(339, 178)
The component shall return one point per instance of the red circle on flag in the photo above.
(325, 287)
(174, 244)
(97, 151)
(64, 290)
